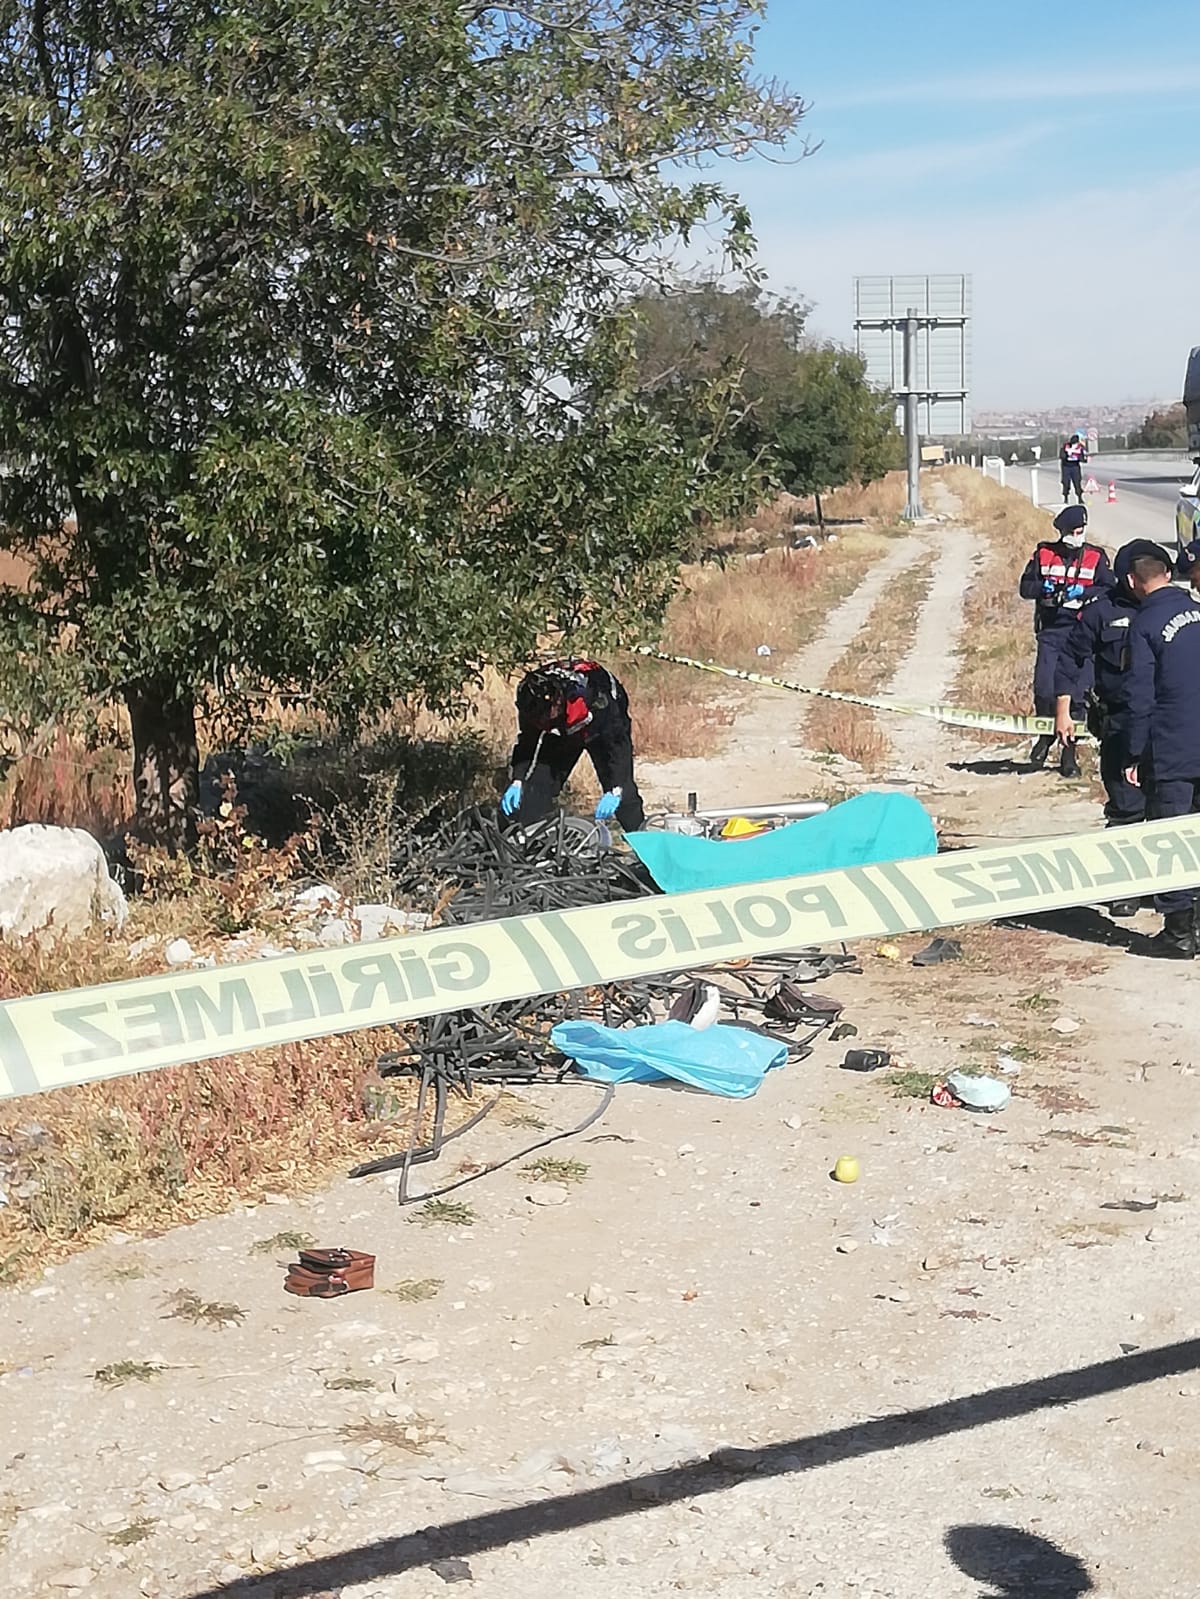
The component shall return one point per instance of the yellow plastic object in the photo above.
(846, 1170)
(888, 952)
(743, 827)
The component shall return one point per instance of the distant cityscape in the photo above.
(1108, 420)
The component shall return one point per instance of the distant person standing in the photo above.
(1072, 459)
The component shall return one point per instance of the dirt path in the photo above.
(971, 1374)
(765, 758)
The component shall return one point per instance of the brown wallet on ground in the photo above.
(328, 1273)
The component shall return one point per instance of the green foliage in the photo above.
(315, 361)
(1162, 430)
(830, 427)
(756, 403)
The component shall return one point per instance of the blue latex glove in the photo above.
(511, 802)
(1047, 585)
(606, 805)
(1074, 591)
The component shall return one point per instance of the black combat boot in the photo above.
(1068, 761)
(1040, 750)
(1177, 941)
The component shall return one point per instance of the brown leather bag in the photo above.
(329, 1273)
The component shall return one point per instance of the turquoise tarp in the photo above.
(719, 1059)
(869, 827)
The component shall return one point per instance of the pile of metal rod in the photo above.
(478, 867)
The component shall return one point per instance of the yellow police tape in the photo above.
(951, 715)
(82, 1035)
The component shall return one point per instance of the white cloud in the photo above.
(1088, 297)
(917, 162)
(1011, 86)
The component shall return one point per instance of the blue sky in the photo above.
(1051, 152)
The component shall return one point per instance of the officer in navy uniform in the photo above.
(1164, 723)
(1071, 459)
(1060, 576)
(564, 708)
(1100, 640)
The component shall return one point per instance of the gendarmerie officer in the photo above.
(1100, 640)
(1062, 573)
(1164, 723)
(565, 708)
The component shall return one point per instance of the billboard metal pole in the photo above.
(912, 437)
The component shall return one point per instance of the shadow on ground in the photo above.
(1016, 1563)
(458, 1540)
(1084, 925)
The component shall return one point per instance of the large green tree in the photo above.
(315, 351)
(759, 403)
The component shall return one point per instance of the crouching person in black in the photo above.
(563, 709)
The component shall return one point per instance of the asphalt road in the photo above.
(1147, 492)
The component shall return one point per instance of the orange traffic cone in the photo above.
(1112, 493)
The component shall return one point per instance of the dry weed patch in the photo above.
(996, 666)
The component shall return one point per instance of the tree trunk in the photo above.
(820, 513)
(166, 765)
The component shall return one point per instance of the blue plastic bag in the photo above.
(718, 1059)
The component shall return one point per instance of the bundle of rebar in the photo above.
(479, 867)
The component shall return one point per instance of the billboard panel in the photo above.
(943, 375)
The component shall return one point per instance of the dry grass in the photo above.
(67, 785)
(186, 1305)
(171, 1146)
(722, 614)
(996, 666)
(881, 502)
(867, 667)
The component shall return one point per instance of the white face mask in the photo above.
(1074, 541)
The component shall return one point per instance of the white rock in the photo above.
(325, 1457)
(265, 1549)
(172, 1481)
(794, 1122)
(335, 932)
(77, 1577)
(179, 953)
(420, 1352)
(142, 946)
(321, 897)
(846, 1246)
(547, 1194)
(1064, 1025)
(54, 881)
(599, 1297)
(379, 921)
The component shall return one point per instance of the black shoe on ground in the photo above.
(1177, 941)
(1041, 750)
(1121, 908)
(1068, 761)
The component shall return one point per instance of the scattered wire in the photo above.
(478, 868)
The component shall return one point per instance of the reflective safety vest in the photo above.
(1074, 452)
(1065, 568)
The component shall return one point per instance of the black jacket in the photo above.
(594, 717)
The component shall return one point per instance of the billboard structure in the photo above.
(943, 352)
(914, 336)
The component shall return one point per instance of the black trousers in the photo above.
(1125, 804)
(612, 757)
(1178, 796)
(1045, 669)
(1072, 478)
